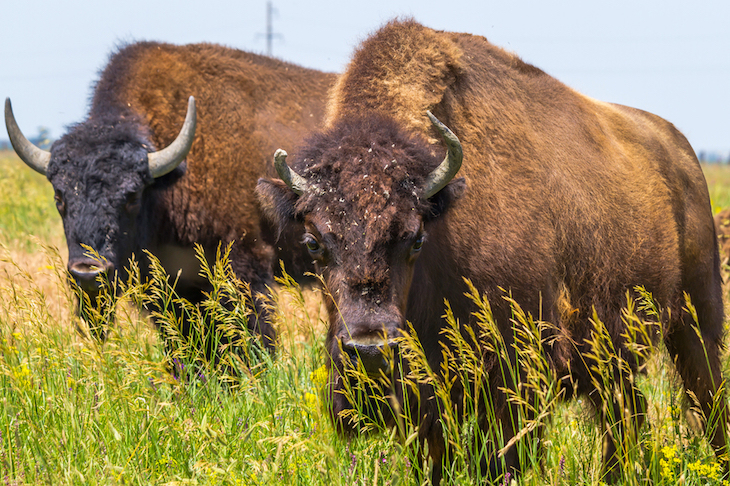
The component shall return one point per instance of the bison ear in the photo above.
(277, 202)
(442, 200)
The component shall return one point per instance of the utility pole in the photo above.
(269, 28)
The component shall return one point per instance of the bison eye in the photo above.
(312, 244)
(418, 244)
(60, 203)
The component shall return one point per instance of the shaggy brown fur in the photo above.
(566, 207)
(246, 105)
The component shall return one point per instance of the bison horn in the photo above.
(165, 160)
(37, 159)
(446, 171)
(295, 182)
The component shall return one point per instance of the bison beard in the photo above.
(125, 182)
(570, 205)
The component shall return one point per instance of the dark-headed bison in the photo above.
(562, 201)
(133, 176)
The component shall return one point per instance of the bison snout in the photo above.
(86, 273)
(374, 357)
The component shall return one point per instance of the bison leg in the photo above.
(695, 346)
(260, 323)
(696, 354)
(499, 469)
(623, 411)
(253, 265)
(437, 455)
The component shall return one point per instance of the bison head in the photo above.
(99, 171)
(367, 192)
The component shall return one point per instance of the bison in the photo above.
(125, 180)
(564, 203)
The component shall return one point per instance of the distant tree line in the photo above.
(42, 139)
(709, 157)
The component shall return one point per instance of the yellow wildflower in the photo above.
(668, 462)
(319, 377)
(311, 400)
(670, 452)
(709, 471)
(21, 374)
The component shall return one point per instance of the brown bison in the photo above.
(563, 202)
(125, 179)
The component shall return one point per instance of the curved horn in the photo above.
(295, 182)
(37, 159)
(165, 160)
(447, 169)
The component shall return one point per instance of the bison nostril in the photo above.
(85, 273)
(374, 357)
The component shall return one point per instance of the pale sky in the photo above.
(668, 57)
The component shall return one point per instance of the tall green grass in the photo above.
(78, 411)
(718, 181)
(26, 205)
(75, 410)
(556, 442)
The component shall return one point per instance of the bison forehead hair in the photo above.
(368, 172)
(118, 148)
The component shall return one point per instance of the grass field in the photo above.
(718, 181)
(74, 411)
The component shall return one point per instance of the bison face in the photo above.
(100, 173)
(366, 192)
(367, 284)
(99, 192)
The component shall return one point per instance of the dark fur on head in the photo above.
(94, 194)
(375, 167)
